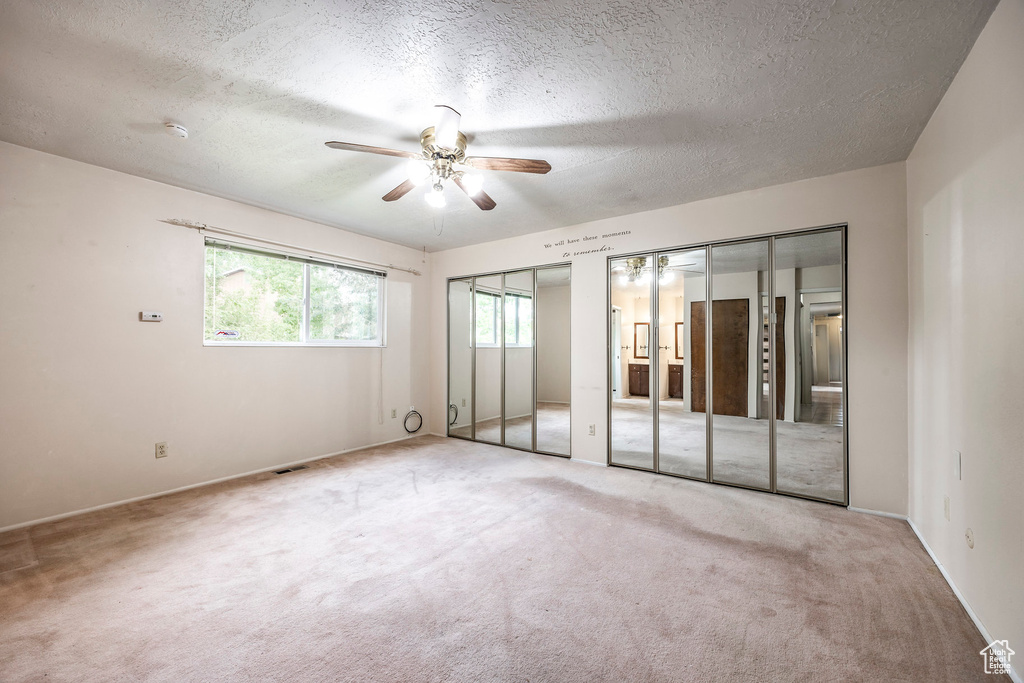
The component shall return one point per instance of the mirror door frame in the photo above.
(501, 334)
(653, 343)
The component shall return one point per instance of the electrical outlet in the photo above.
(945, 507)
(394, 413)
(161, 449)
(593, 430)
(969, 537)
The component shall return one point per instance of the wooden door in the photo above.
(730, 337)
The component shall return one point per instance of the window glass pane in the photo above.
(510, 319)
(525, 321)
(252, 298)
(343, 304)
(485, 310)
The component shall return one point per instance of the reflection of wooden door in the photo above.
(616, 352)
(730, 337)
(821, 369)
(780, 358)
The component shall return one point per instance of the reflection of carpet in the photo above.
(810, 456)
(552, 430)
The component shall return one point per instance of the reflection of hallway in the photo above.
(810, 456)
(552, 429)
(826, 406)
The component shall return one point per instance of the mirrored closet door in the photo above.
(519, 375)
(553, 353)
(810, 458)
(751, 390)
(487, 369)
(631, 413)
(739, 365)
(460, 358)
(682, 423)
(508, 359)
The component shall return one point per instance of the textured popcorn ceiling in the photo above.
(637, 105)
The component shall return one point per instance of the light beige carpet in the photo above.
(444, 560)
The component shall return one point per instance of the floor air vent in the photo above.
(292, 469)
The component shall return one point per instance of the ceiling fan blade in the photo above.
(399, 191)
(481, 198)
(351, 147)
(503, 164)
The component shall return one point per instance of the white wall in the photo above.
(872, 201)
(86, 390)
(966, 232)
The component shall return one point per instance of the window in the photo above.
(518, 320)
(259, 297)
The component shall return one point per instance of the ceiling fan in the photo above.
(442, 158)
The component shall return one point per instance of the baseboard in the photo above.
(959, 596)
(878, 513)
(588, 462)
(281, 466)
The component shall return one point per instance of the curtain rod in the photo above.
(284, 245)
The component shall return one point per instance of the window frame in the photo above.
(380, 341)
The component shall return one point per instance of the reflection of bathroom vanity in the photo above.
(675, 380)
(639, 379)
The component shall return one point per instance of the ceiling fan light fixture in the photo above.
(473, 182)
(419, 171)
(442, 158)
(446, 128)
(435, 196)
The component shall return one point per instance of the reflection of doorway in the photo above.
(821, 355)
(616, 352)
(827, 351)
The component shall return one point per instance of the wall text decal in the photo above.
(583, 240)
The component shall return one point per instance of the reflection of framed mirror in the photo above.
(641, 337)
(680, 341)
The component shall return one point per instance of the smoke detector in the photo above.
(176, 130)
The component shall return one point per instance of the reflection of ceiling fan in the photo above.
(637, 270)
(442, 158)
